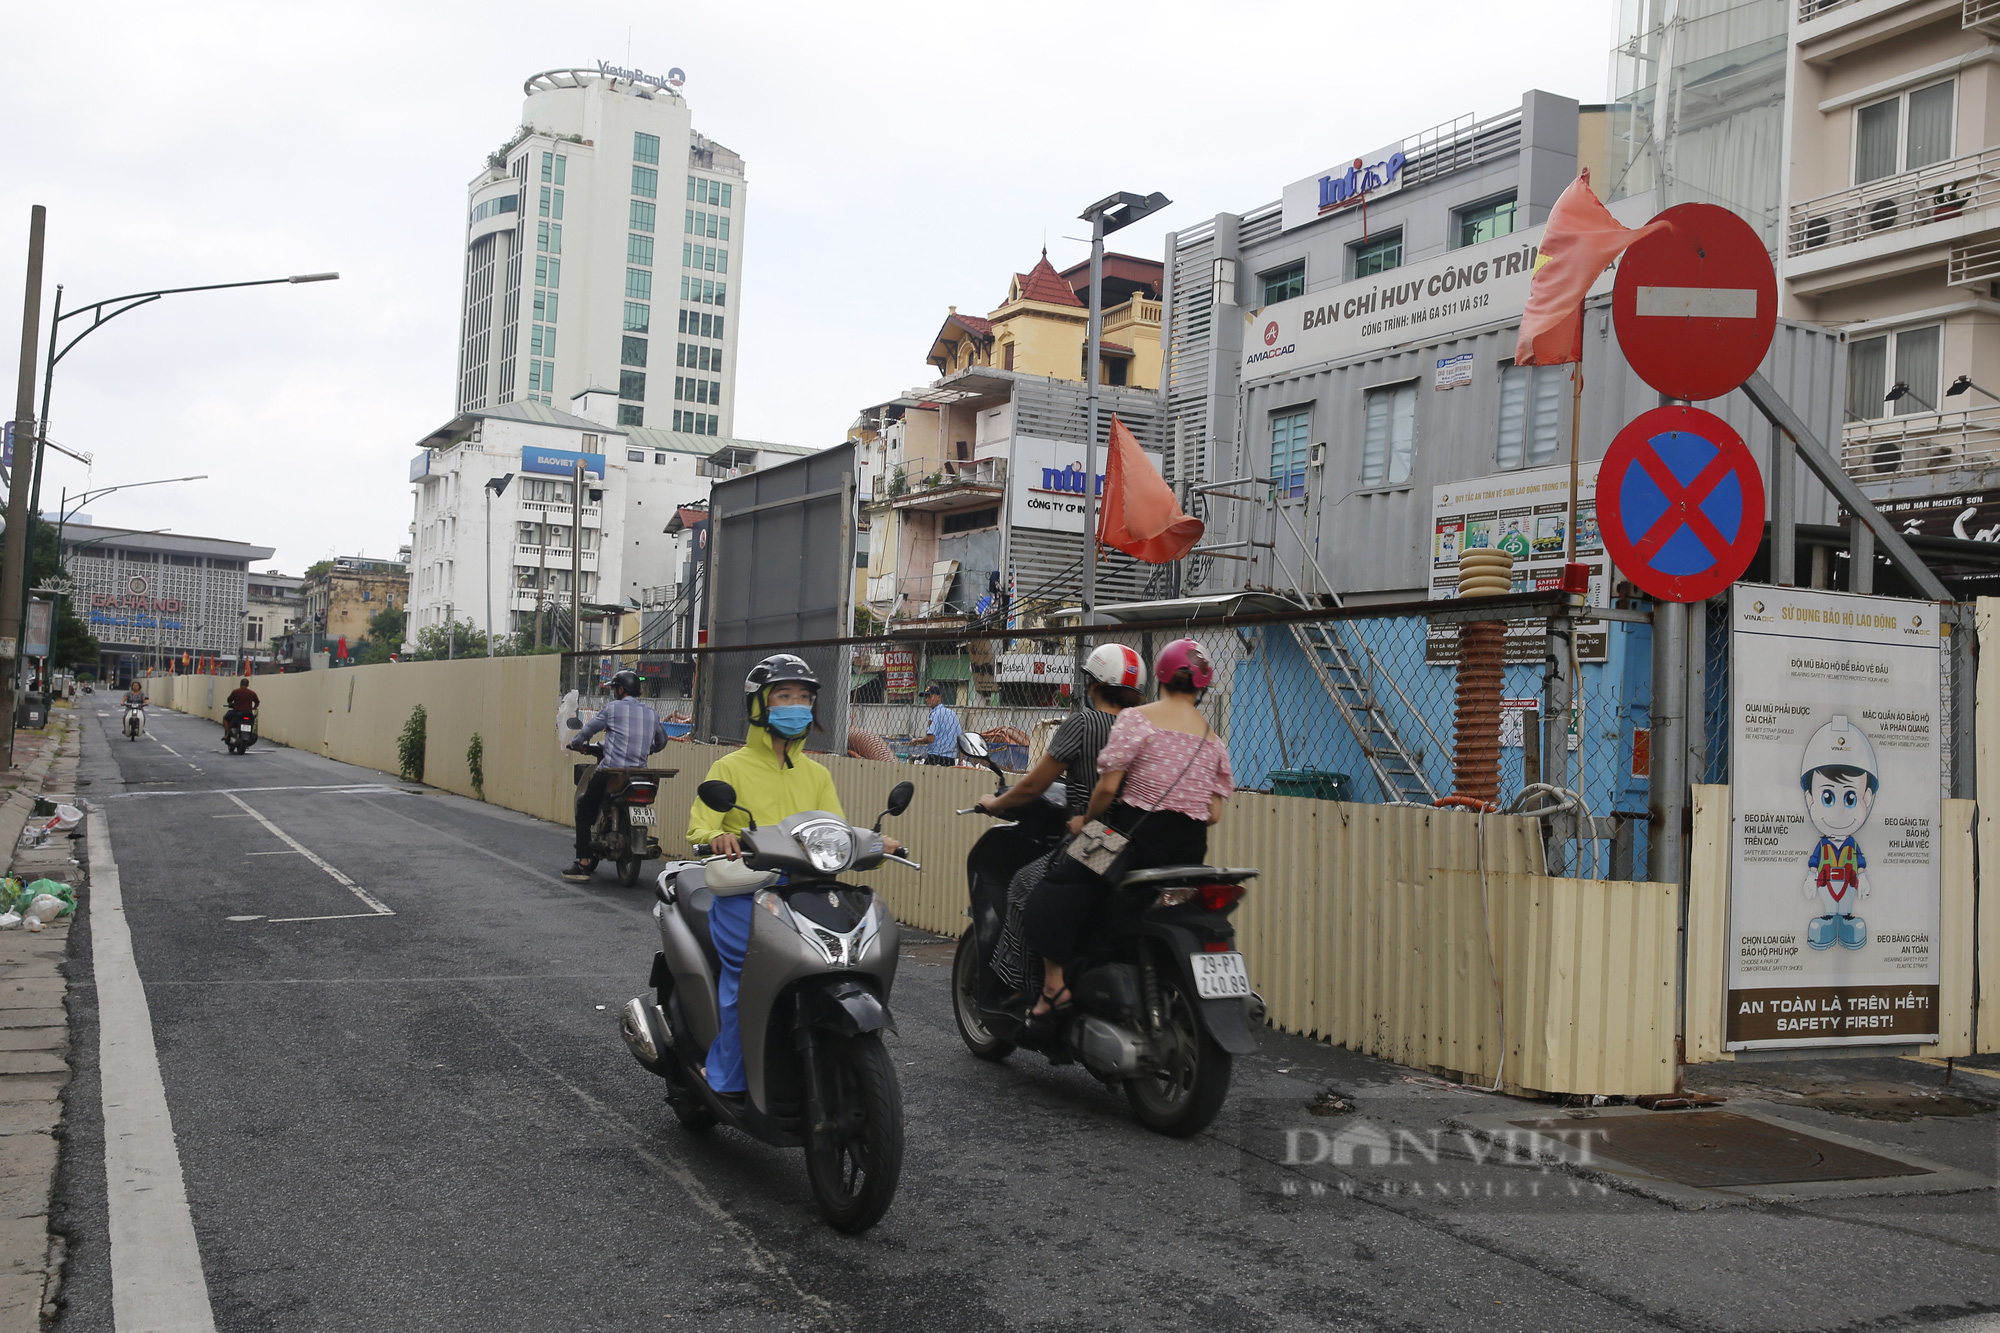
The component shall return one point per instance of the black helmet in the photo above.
(776, 668)
(628, 681)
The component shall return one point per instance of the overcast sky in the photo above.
(902, 158)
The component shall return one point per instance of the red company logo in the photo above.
(1271, 333)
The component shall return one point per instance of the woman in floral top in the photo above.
(1164, 765)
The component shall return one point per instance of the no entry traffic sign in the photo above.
(1680, 503)
(1695, 303)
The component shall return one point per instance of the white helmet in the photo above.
(1116, 665)
(1839, 744)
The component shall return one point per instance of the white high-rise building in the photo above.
(576, 279)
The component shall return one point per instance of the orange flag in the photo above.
(1581, 240)
(1140, 515)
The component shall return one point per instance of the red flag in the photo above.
(343, 648)
(1582, 238)
(1140, 515)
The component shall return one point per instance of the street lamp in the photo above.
(1964, 382)
(25, 501)
(494, 486)
(1902, 389)
(1105, 216)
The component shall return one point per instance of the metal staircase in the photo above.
(1348, 670)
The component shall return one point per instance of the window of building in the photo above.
(555, 272)
(633, 352)
(631, 384)
(1388, 434)
(691, 184)
(548, 166)
(1283, 284)
(1485, 222)
(561, 162)
(555, 238)
(659, 460)
(635, 455)
(1379, 255)
(646, 148)
(1911, 357)
(559, 195)
(637, 318)
(972, 520)
(631, 415)
(726, 189)
(1290, 440)
(542, 237)
(642, 215)
(638, 249)
(1007, 356)
(1531, 414)
(1904, 132)
(638, 284)
(645, 182)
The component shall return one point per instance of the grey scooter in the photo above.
(811, 1004)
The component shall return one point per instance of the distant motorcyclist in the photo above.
(632, 732)
(242, 704)
(134, 696)
(774, 779)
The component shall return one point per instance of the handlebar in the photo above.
(891, 856)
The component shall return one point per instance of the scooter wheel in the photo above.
(694, 1117)
(628, 870)
(966, 975)
(853, 1161)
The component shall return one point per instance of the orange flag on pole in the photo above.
(1139, 515)
(1582, 238)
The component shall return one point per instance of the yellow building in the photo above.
(1043, 325)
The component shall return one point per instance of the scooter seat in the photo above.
(692, 900)
(1140, 879)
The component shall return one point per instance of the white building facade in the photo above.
(617, 553)
(577, 277)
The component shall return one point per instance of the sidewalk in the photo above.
(34, 1033)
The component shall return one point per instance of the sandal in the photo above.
(1058, 1004)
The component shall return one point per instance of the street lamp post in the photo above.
(13, 591)
(1105, 216)
(494, 486)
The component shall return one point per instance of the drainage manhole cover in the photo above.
(1712, 1148)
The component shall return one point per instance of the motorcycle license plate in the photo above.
(244, 730)
(1220, 976)
(643, 814)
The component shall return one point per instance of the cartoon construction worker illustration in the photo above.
(1840, 780)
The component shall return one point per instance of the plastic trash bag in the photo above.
(24, 899)
(10, 920)
(45, 908)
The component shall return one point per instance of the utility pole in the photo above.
(576, 563)
(13, 588)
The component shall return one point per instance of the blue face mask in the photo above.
(791, 719)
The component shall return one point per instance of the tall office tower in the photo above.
(576, 277)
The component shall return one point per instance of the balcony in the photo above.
(557, 557)
(557, 510)
(1921, 445)
(1944, 202)
(971, 484)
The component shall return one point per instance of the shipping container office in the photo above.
(1356, 377)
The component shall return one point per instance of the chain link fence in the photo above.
(1348, 705)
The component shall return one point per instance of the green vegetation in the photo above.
(475, 764)
(385, 637)
(410, 746)
(436, 642)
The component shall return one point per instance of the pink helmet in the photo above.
(1117, 665)
(1184, 655)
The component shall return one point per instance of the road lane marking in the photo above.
(156, 1277)
(287, 852)
(337, 789)
(168, 748)
(338, 916)
(381, 908)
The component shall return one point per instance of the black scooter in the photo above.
(1163, 999)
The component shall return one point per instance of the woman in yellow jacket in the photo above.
(774, 779)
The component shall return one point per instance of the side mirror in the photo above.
(900, 796)
(972, 745)
(717, 796)
(574, 724)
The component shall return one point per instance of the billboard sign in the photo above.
(41, 619)
(1370, 176)
(1527, 515)
(559, 462)
(1045, 483)
(1431, 301)
(1835, 772)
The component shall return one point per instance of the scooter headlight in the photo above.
(830, 847)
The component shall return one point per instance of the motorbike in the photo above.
(812, 1001)
(134, 722)
(239, 731)
(627, 829)
(1163, 1003)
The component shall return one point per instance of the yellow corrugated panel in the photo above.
(1986, 1027)
(1957, 932)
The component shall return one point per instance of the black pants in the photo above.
(1062, 907)
(588, 802)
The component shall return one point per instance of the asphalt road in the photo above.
(426, 1120)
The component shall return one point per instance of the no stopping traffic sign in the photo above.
(1680, 503)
